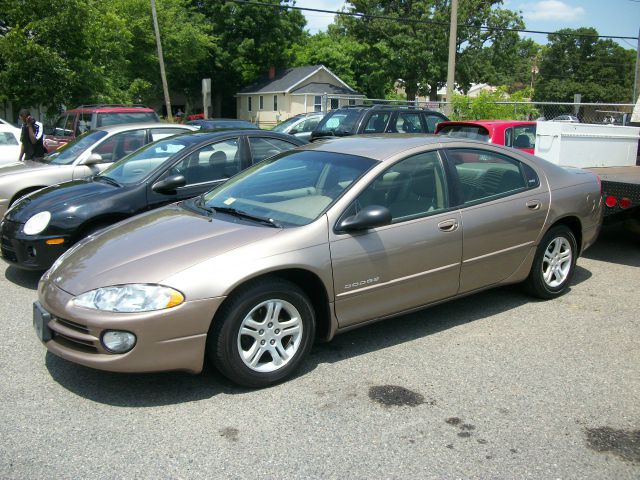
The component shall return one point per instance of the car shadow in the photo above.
(398, 330)
(138, 389)
(23, 278)
(616, 244)
(159, 389)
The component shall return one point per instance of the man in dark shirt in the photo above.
(31, 137)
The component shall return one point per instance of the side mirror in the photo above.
(369, 217)
(93, 159)
(168, 185)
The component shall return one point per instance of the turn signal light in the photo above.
(54, 241)
(610, 201)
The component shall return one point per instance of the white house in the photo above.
(281, 95)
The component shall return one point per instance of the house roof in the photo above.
(320, 88)
(287, 80)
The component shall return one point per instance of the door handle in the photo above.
(450, 225)
(533, 204)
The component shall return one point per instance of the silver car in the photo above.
(88, 155)
(300, 126)
(310, 243)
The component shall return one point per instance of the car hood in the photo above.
(151, 247)
(26, 166)
(75, 193)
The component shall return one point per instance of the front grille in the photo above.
(73, 326)
(74, 343)
(9, 255)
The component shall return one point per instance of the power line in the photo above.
(426, 22)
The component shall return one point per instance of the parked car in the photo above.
(9, 144)
(75, 122)
(516, 134)
(300, 125)
(87, 155)
(566, 118)
(313, 242)
(377, 119)
(39, 228)
(220, 123)
(5, 122)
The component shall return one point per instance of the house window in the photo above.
(317, 103)
(352, 101)
(335, 103)
(275, 102)
(261, 102)
(249, 104)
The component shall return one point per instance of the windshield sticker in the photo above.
(229, 201)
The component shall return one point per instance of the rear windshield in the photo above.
(474, 132)
(338, 122)
(67, 154)
(113, 118)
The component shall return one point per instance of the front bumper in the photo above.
(172, 339)
(28, 252)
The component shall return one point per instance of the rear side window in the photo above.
(84, 123)
(433, 121)
(117, 118)
(408, 123)
(485, 175)
(524, 136)
(264, 147)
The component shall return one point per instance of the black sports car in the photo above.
(37, 229)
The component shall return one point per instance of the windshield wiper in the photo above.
(104, 178)
(239, 213)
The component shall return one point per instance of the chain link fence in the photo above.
(465, 108)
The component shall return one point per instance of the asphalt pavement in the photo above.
(495, 385)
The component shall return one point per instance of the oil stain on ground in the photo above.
(395, 396)
(623, 443)
(230, 434)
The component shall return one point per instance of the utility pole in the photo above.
(636, 83)
(451, 64)
(165, 87)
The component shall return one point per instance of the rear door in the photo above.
(411, 262)
(503, 207)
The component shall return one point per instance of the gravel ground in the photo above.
(491, 386)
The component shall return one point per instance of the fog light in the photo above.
(118, 342)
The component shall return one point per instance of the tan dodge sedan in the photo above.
(310, 243)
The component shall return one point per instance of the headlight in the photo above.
(130, 298)
(37, 223)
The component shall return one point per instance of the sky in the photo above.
(608, 17)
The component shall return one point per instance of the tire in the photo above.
(553, 265)
(262, 333)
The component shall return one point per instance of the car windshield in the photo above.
(137, 166)
(68, 153)
(290, 189)
(281, 127)
(118, 118)
(338, 121)
(474, 132)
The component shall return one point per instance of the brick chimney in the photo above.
(272, 73)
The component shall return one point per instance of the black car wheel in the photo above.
(262, 332)
(554, 264)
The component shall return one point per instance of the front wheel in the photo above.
(262, 333)
(554, 264)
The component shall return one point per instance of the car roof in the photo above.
(208, 134)
(111, 109)
(124, 127)
(486, 123)
(382, 146)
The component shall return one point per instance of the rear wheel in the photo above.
(554, 264)
(262, 333)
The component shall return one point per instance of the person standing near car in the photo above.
(31, 137)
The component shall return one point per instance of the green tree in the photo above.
(576, 61)
(494, 106)
(416, 53)
(250, 40)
